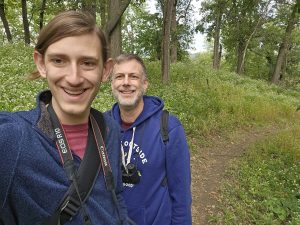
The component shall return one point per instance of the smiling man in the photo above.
(156, 174)
(51, 149)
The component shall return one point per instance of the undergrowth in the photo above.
(264, 186)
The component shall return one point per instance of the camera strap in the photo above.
(82, 181)
(126, 161)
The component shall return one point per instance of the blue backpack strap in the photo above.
(164, 126)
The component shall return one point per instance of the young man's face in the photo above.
(74, 70)
(128, 84)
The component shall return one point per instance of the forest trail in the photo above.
(209, 165)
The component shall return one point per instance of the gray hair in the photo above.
(128, 57)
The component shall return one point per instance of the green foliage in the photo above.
(142, 32)
(264, 186)
(17, 93)
(263, 24)
(206, 101)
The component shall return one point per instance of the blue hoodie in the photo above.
(153, 201)
(32, 179)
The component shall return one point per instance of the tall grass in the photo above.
(264, 186)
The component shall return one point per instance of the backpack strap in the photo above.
(87, 174)
(164, 120)
(164, 125)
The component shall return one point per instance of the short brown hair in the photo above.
(68, 24)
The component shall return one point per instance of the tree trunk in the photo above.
(283, 49)
(247, 42)
(174, 39)
(165, 65)
(25, 22)
(112, 28)
(90, 6)
(115, 37)
(103, 12)
(4, 21)
(240, 54)
(115, 16)
(42, 12)
(216, 56)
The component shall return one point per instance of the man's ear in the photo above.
(146, 84)
(107, 68)
(39, 62)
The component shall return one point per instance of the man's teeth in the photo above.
(79, 92)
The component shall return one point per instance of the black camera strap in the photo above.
(82, 181)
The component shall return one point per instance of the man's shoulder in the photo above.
(173, 120)
(10, 118)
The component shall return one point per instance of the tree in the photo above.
(25, 22)
(115, 34)
(4, 21)
(180, 23)
(42, 12)
(211, 23)
(217, 29)
(165, 64)
(113, 26)
(283, 49)
(142, 32)
(90, 6)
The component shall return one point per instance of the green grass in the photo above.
(263, 186)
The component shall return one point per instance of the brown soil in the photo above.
(209, 165)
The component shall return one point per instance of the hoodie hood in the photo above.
(152, 105)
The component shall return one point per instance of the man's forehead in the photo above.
(131, 65)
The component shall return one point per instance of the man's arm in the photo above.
(9, 150)
(179, 174)
(115, 144)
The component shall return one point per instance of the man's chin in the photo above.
(127, 104)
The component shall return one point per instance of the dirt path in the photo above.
(209, 165)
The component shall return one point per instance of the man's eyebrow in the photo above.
(61, 55)
(56, 55)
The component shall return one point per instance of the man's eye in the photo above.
(134, 77)
(88, 64)
(118, 77)
(57, 61)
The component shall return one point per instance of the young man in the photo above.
(71, 54)
(156, 175)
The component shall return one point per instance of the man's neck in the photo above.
(130, 115)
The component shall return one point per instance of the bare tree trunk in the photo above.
(165, 65)
(42, 12)
(25, 22)
(240, 53)
(4, 21)
(103, 12)
(174, 39)
(216, 57)
(244, 51)
(112, 28)
(115, 34)
(115, 16)
(283, 49)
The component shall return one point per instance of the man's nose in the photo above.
(126, 79)
(74, 77)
